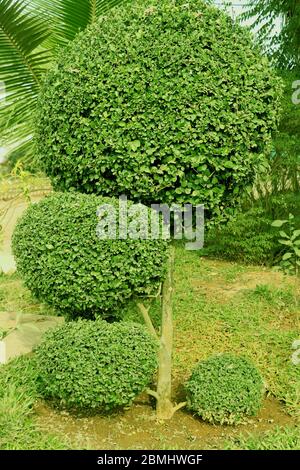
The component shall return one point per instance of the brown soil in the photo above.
(222, 290)
(137, 428)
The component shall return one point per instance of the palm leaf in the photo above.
(22, 63)
(71, 16)
(25, 39)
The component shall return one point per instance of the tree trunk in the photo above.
(165, 409)
(163, 395)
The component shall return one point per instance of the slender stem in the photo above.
(179, 406)
(152, 393)
(145, 313)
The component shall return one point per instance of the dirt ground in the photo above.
(137, 428)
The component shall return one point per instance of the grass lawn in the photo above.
(218, 307)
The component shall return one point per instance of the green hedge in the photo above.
(163, 101)
(64, 263)
(225, 389)
(95, 364)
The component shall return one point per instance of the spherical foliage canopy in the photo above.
(162, 100)
(225, 389)
(64, 262)
(95, 364)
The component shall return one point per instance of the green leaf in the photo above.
(278, 223)
(117, 82)
(286, 242)
(283, 234)
(297, 251)
(287, 256)
(134, 145)
(295, 235)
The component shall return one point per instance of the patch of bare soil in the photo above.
(137, 428)
(221, 290)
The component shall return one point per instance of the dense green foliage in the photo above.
(64, 263)
(95, 364)
(249, 237)
(287, 142)
(164, 101)
(225, 389)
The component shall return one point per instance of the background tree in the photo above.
(283, 46)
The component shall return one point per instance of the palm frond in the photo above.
(71, 16)
(30, 31)
(22, 63)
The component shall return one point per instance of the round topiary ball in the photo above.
(161, 100)
(225, 389)
(95, 364)
(64, 263)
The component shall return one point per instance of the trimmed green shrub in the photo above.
(163, 101)
(225, 389)
(64, 263)
(95, 364)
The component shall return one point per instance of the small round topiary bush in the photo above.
(162, 100)
(225, 389)
(95, 364)
(65, 264)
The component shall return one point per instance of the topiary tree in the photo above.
(161, 100)
(95, 364)
(64, 263)
(164, 101)
(225, 389)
